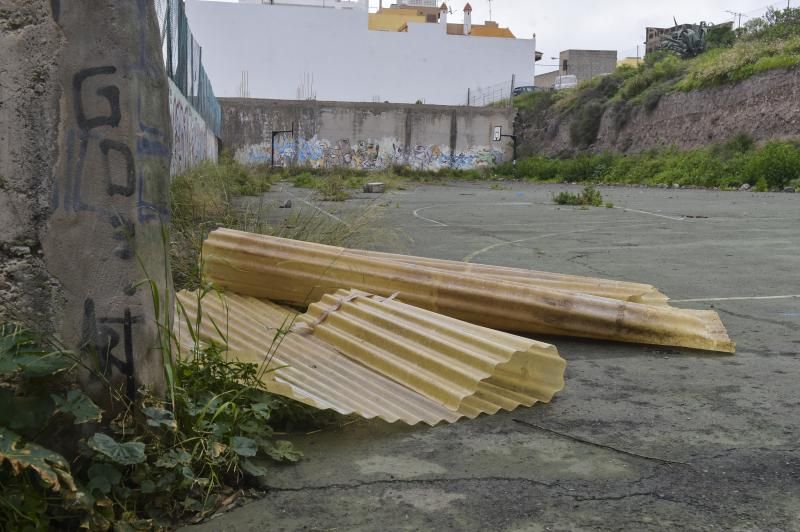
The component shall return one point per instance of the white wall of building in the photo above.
(347, 4)
(280, 46)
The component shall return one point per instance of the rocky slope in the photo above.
(765, 107)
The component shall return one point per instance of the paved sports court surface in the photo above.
(642, 438)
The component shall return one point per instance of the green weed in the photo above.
(727, 165)
(590, 196)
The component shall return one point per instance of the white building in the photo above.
(288, 51)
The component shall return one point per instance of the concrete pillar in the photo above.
(84, 187)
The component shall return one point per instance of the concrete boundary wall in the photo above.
(193, 142)
(370, 136)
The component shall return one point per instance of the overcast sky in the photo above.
(595, 24)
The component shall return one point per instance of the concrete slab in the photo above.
(683, 439)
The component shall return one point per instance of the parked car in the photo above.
(565, 82)
(522, 90)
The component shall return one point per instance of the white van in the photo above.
(565, 82)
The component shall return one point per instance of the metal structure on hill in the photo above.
(688, 42)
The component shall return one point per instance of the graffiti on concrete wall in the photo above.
(193, 142)
(369, 154)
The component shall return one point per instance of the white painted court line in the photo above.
(743, 298)
(418, 215)
(323, 211)
(440, 224)
(474, 254)
(624, 209)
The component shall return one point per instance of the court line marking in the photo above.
(474, 254)
(323, 211)
(625, 209)
(742, 298)
(440, 224)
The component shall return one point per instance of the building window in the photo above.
(565, 67)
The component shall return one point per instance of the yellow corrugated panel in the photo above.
(624, 291)
(298, 273)
(304, 368)
(442, 358)
(378, 358)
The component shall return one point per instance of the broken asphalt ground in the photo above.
(679, 439)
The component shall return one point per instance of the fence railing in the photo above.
(484, 96)
(183, 58)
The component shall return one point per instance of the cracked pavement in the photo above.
(733, 422)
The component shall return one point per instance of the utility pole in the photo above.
(739, 15)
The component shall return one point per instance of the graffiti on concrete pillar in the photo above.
(111, 190)
(93, 141)
(101, 166)
(101, 338)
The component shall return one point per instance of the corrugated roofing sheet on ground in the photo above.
(299, 273)
(624, 291)
(353, 353)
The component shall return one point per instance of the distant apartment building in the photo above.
(547, 79)
(399, 16)
(407, 51)
(587, 64)
(583, 64)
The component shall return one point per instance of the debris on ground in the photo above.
(354, 352)
(375, 188)
(298, 273)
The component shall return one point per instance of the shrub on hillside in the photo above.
(586, 125)
(663, 67)
(775, 25)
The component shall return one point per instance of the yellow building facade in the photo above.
(398, 19)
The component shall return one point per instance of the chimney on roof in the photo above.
(467, 19)
(443, 16)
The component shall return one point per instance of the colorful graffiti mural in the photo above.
(369, 154)
(192, 140)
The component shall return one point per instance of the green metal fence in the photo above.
(183, 58)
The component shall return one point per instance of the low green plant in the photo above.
(727, 165)
(589, 197)
(204, 199)
(774, 167)
(66, 464)
(305, 180)
(332, 188)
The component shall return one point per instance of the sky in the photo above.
(599, 25)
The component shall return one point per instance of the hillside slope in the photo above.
(745, 83)
(764, 107)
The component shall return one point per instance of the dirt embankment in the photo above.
(765, 107)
